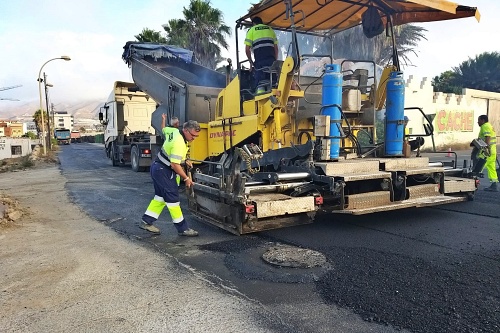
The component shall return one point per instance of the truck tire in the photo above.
(114, 155)
(134, 159)
(470, 196)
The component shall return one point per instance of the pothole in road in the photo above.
(294, 257)
(278, 263)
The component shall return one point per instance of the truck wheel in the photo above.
(134, 159)
(114, 155)
(470, 196)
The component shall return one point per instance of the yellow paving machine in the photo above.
(306, 140)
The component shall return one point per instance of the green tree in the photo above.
(30, 135)
(149, 35)
(202, 30)
(446, 83)
(482, 73)
(37, 118)
(353, 44)
(177, 32)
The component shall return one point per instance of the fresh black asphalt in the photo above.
(415, 270)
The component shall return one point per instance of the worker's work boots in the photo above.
(149, 227)
(493, 188)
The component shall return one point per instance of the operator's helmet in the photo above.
(406, 119)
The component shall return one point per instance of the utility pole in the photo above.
(53, 115)
(39, 79)
(47, 105)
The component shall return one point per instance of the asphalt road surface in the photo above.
(430, 269)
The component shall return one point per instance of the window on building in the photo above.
(16, 150)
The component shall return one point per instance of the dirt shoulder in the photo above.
(62, 271)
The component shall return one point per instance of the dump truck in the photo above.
(63, 136)
(273, 157)
(76, 137)
(181, 87)
(126, 117)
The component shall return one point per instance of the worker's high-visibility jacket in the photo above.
(487, 130)
(174, 148)
(261, 39)
(166, 181)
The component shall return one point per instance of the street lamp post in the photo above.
(47, 86)
(66, 58)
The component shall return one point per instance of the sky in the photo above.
(93, 33)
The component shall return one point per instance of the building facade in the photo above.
(61, 119)
(11, 129)
(454, 117)
(16, 147)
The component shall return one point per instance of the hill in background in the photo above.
(12, 110)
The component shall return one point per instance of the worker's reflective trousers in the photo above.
(490, 165)
(166, 184)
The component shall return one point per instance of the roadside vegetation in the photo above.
(201, 30)
(481, 73)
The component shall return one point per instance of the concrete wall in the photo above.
(25, 145)
(455, 116)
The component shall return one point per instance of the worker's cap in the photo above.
(407, 119)
(192, 125)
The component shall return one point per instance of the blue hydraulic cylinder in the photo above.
(394, 115)
(331, 101)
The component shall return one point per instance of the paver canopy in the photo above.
(337, 15)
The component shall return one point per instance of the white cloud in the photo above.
(92, 33)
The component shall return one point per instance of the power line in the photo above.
(12, 87)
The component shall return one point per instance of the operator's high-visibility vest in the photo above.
(261, 39)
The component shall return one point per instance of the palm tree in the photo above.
(407, 38)
(202, 30)
(177, 32)
(482, 72)
(37, 118)
(352, 44)
(149, 35)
